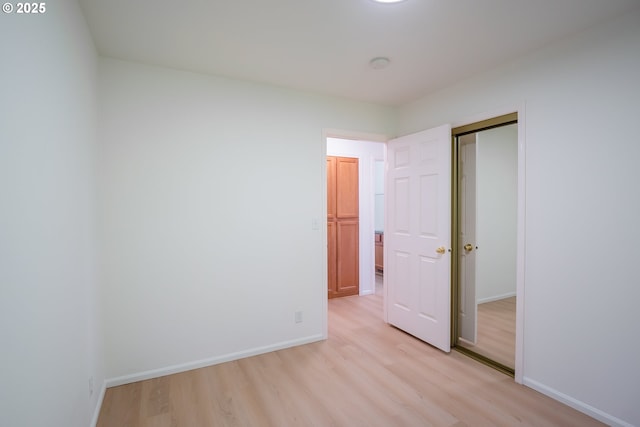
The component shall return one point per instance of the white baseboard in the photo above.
(496, 297)
(96, 412)
(576, 404)
(174, 369)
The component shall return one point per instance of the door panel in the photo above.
(348, 260)
(401, 205)
(347, 187)
(331, 188)
(401, 278)
(418, 222)
(428, 206)
(428, 276)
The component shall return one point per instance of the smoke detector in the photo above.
(379, 63)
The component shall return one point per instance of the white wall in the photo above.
(209, 190)
(367, 153)
(497, 202)
(379, 196)
(50, 339)
(582, 205)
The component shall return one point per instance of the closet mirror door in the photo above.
(486, 240)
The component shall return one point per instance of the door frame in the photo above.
(322, 221)
(487, 120)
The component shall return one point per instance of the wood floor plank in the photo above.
(496, 331)
(366, 373)
(121, 406)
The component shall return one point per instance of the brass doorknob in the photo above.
(441, 250)
(468, 247)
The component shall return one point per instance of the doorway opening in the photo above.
(484, 270)
(370, 156)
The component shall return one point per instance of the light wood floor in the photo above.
(497, 331)
(366, 374)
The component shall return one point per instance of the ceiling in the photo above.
(324, 46)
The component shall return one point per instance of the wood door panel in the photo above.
(347, 187)
(348, 260)
(331, 188)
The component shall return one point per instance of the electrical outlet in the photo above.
(90, 386)
(298, 317)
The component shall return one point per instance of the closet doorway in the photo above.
(485, 232)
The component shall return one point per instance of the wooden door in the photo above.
(342, 227)
(418, 235)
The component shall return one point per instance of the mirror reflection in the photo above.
(488, 171)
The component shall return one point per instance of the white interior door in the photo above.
(467, 307)
(417, 279)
